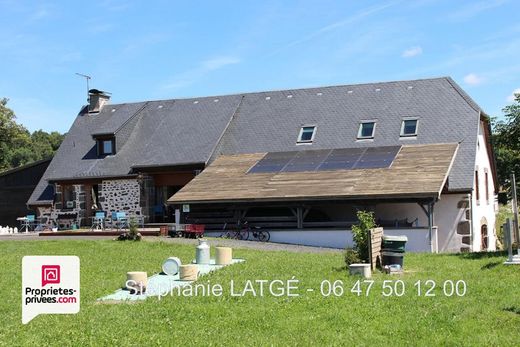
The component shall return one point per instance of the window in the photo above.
(477, 191)
(307, 134)
(486, 181)
(366, 130)
(409, 127)
(106, 147)
(67, 197)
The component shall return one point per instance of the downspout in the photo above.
(430, 226)
(431, 215)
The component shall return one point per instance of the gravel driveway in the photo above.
(267, 246)
(262, 246)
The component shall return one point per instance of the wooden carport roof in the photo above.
(418, 171)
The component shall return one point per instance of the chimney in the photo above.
(97, 99)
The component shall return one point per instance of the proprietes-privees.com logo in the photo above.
(50, 284)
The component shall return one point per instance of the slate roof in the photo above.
(198, 130)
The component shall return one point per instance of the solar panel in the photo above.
(341, 159)
(326, 160)
(306, 160)
(377, 157)
(273, 162)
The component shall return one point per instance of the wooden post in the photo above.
(430, 225)
(509, 239)
(375, 237)
(299, 217)
(177, 218)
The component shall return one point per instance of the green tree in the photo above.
(506, 140)
(18, 146)
(12, 135)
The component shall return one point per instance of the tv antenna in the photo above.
(86, 77)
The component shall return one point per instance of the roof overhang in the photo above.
(418, 172)
(188, 166)
(89, 178)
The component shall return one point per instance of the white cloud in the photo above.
(473, 79)
(511, 97)
(412, 52)
(190, 76)
(219, 62)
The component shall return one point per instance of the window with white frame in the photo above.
(409, 127)
(307, 133)
(366, 130)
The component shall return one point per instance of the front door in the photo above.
(484, 237)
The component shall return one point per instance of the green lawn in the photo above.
(489, 313)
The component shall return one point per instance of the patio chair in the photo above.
(138, 219)
(120, 220)
(98, 221)
(42, 224)
(158, 213)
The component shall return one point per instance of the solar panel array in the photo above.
(327, 160)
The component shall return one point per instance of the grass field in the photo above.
(488, 314)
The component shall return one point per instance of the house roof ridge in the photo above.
(464, 95)
(281, 90)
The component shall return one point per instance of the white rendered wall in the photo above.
(483, 209)
(417, 238)
(448, 213)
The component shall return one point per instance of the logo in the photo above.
(50, 274)
(50, 284)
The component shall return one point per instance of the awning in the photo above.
(417, 171)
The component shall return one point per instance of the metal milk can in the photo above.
(202, 252)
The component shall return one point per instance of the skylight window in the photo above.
(307, 133)
(106, 147)
(366, 130)
(409, 127)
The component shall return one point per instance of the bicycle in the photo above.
(237, 234)
(258, 233)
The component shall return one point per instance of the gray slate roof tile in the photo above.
(200, 129)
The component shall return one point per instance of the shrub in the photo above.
(351, 257)
(132, 228)
(133, 232)
(360, 234)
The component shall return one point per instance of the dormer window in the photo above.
(366, 130)
(106, 147)
(409, 127)
(307, 133)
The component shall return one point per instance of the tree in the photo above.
(12, 135)
(506, 140)
(18, 146)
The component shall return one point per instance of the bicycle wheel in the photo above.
(243, 235)
(225, 235)
(263, 236)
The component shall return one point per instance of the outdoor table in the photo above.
(24, 224)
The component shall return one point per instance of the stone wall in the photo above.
(120, 196)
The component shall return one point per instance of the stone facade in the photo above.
(121, 195)
(58, 210)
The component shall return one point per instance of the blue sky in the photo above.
(169, 49)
